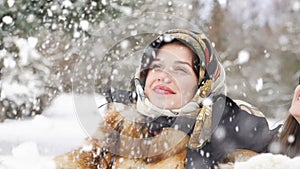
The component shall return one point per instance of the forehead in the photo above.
(175, 51)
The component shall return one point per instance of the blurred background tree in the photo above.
(48, 47)
(38, 45)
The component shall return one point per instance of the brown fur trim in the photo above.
(176, 161)
(168, 143)
(129, 140)
(113, 119)
(239, 155)
(90, 156)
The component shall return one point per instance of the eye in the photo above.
(181, 69)
(155, 66)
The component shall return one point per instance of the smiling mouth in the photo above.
(163, 90)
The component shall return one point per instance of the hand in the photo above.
(295, 106)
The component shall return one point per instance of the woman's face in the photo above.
(171, 81)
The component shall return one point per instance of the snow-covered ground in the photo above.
(51, 131)
(32, 143)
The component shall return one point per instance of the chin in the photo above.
(166, 106)
(164, 101)
(159, 103)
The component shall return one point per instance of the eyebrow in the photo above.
(185, 63)
(178, 62)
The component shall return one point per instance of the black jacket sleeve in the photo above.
(233, 129)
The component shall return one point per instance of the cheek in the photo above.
(148, 83)
(187, 90)
(147, 88)
(188, 84)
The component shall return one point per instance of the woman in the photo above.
(290, 135)
(179, 119)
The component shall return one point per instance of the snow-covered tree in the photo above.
(39, 41)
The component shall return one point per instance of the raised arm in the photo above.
(295, 105)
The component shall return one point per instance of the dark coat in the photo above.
(236, 129)
(232, 129)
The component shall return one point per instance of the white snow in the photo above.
(267, 54)
(27, 51)
(84, 24)
(10, 3)
(16, 91)
(7, 20)
(269, 161)
(67, 4)
(223, 3)
(26, 156)
(30, 18)
(260, 13)
(291, 138)
(243, 57)
(296, 6)
(124, 44)
(104, 2)
(31, 143)
(76, 34)
(8, 62)
(50, 13)
(259, 84)
(207, 102)
(283, 40)
(205, 13)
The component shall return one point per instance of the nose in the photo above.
(164, 77)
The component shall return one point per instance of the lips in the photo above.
(163, 90)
